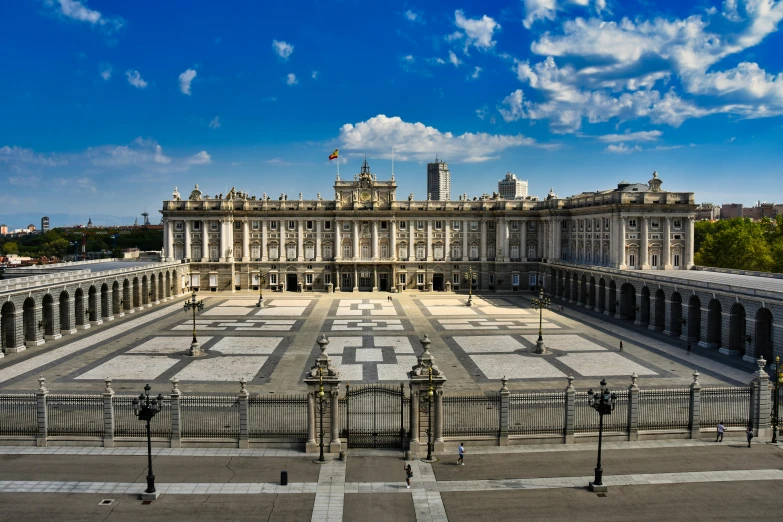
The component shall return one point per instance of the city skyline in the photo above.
(116, 115)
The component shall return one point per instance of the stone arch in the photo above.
(126, 295)
(660, 310)
(612, 298)
(764, 334)
(644, 315)
(601, 295)
(79, 307)
(694, 318)
(65, 311)
(48, 314)
(628, 301)
(115, 297)
(591, 294)
(737, 327)
(583, 291)
(145, 292)
(136, 293)
(713, 324)
(676, 320)
(105, 308)
(92, 304)
(28, 319)
(8, 325)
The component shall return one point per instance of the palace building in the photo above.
(366, 239)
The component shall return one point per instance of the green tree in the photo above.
(11, 247)
(736, 243)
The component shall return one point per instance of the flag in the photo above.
(334, 155)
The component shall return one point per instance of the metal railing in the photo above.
(664, 409)
(282, 416)
(536, 413)
(471, 415)
(18, 414)
(586, 419)
(204, 416)
(127, 424)
(730, 405)
(80, 415)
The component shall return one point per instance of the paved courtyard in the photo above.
(372, 339)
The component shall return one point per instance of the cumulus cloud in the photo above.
(135, 79)
(476, 72)
(200, 158)
(105, 71)
(413, 16)
(478, 31)
(18, 155)
(622, 149)
(539, 10)
(78, 11)
(453, 59)
(185, 80)
(632, 136)
(416, 141)
(215, 123)
(283, 49)
(290, 79)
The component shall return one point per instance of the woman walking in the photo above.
(408, 475)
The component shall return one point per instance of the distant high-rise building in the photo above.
(45, 224)
(731, 210)
(512, 188)
(438, 181)
(3, 229)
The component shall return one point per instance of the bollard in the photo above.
(283, 478)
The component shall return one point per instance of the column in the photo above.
(523, 240)
(483, 251)
(334, 424)
(356, 252)
(506, 236)
(264, 256)
(644, 261)
(393, 243)
(223, 241)
(666, 255)
(428, 244)
(204, 241)
(374, 278)
(499, 252)
(38, 339)
(355, 278)
(374, 245)
(621, 244)
(318, 240)
(169, 241)
(446, 240)
(187, 254)
(465, 230)
(300, 240)
(245, 240)
(614, 248)
(42, 417)
(689, 244)
(230, 243)
(338, 247)
(56, 320)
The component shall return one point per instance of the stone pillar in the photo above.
(446, 240)
(423, 376)
(176, 420)
(760, 401)
(204, 241)
(499, 253)
(689, 243)
(229, 249)
(323, 377)
(40, 399)
(56, 321)
(264, 254)
(355, 279)
(244, 414)
(633, 409)
(108, 415)
(465, 230)
(414, 425)
(374, 243)
(393, 245)
(318, 240)
(523, 240)
(644, 248)
(506, 237)
(666, 255)
(694, 420)
(356, 227)
(621, 245)
(223, 241)
(188, 254)
(704, 328)
(428, 243)
(38, 331)
(71, 329)
(245, 240)
(570, 406)
(504, 399)
(338, 247)
(483, 251)
(300, 240)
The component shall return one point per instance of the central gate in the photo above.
(375, 416)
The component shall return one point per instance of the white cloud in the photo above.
(19, 155)
(476, 72)
(215, 123)
(135, 79)
(413, 16)
(453, 59)
(290, 79)
(631, 136)
(185, 80)
(415, 141)
(140, 152)
(201, 158)
(408, 58)
(622, 149)
(479, 31)
(76, 10)
(482, 112)
(539, 10)
(314, 75)
(283, 49)
(105, 71)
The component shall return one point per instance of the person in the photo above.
(721, 429)
(408, 475)
(749, 434)
(621, 346)
(461, 452)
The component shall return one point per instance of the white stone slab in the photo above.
(401, 344)
(384, 311)
(226, 310)
(247, 345)
(336, 344)
(288, 302)
(568, 343)
(130, 368)
(603, 364)
(452, 310)
(396, 372)
(239, 302)
(489, 343)
(515, 366)
(343, 328)
(348, 312)
(494, 310)
(348, 302)
(442, 302)
(295, 311)
(186, 328)
(348, 372)
(167, 345)
(222, 369)
(364, 306)
(369, 355)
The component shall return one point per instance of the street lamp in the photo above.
(776, 402)
(145, 409)
(322, 403)
(469, 275)
(540, 303)
(195, 349)
(603, 402)
(427, 401)
(261, 283)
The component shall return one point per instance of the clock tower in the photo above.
(364, 191)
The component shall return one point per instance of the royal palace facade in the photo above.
(365, 239)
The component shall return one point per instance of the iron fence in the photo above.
(127, 424)
(471, 415)
(534, 413)
(281, 416)
(730, 405)
(19, 414)
(586, 419)
(79, 415)
(204, 416)
(664, 409)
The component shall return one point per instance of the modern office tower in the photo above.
(512, 188)
(438, 181)
(45, 224)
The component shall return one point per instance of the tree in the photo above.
(736, 243)
(10, 248)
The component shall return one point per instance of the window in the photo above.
(420, 279)
(438, 225)
(677, 223)
(654, 223)
(403, 252)
(455, 278)
(327, 251)
(196, 251)
(291, 252)
(237, 225)
(531, 251)
(474, 252)
(213, 280)
(491, 225)
(420, 252)
(178, 225)
(255, 251)
(213, 225)
(273, 225)
(677, 260)
(631, 259)
(403, 279)
(327, 279)
(654, 260)
(309, 225)
(420, 225)
(492, 278)
(514, 251)
(365, 251)
(291, 225)
(213, 253)
(254, 225)
(197, 225)
(564, 225)
(403, 225)
(347, 251)
(237, 280)
(474, 225)
(491, 251)
(437, 252)
(456, 252)
(310, 251)
(254, 279)
(514, 279)
(272, 279)
(456, 225)
(327, 225)
(531, 225)
(308, 279)
(514, 225)
(384, 225)
(631, 223)
(606, 223)
(274, 253)
(194, 281)
(384, 251)
(346, 227)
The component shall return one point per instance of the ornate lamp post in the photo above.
(540, 303)
(261, 283)
(469, 275)
(426, 403)
(603, 402)
(145, 409)
(195, 349)
(322, 403)
(776, 402)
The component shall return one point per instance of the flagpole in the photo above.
(392, 164)
(338, 166)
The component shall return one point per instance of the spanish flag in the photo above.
(334, 155)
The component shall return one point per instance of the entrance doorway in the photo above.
(365, 281)
(437, 282)
(346, 285)
(383, 283)
(290, 283)
(376, 416)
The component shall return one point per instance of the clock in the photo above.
(365, 195)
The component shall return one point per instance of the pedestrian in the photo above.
(561, 308)
(689, 347)
(721, 429)
(461, 452)
(408, 475)
(621, 346)
(749, 434)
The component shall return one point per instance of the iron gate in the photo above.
(375, 416)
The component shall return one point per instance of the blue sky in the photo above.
(107, 106)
